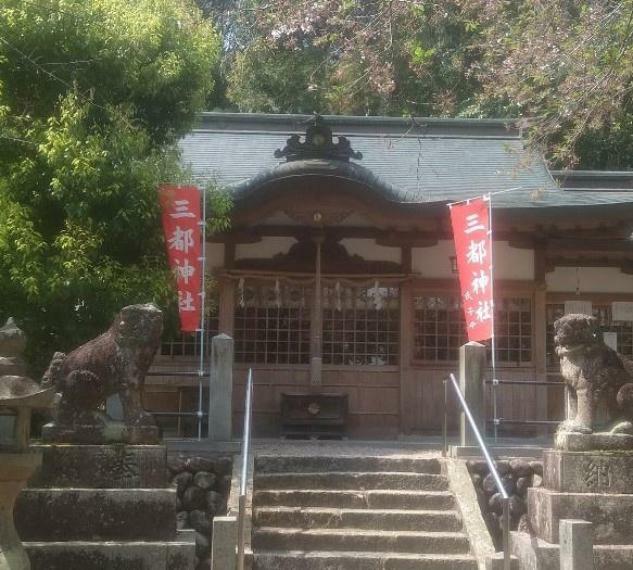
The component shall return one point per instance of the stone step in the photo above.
(346, 499)
(96, 514)
(294, 464)
(324, 560)
(351, 480)
(383, 519)
(269, 538)
(115, 555)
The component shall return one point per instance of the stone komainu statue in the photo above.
(599, 379)
(114, 363)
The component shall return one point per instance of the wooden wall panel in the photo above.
(424, 391)
(373, 397)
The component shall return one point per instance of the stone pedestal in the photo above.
(15, 470)
(596, 486)
(593, 486)
(99, 507)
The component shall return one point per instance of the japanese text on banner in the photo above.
(181, 225)
(473, 247)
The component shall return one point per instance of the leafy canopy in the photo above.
(563, 65)
(93, 96)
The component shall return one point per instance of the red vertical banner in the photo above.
(180, 207)
(473, 247)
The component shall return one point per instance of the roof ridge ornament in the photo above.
(318, 144)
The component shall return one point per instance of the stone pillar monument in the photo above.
(472, 367)
(221, 389)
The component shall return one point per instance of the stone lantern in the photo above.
(18, 397)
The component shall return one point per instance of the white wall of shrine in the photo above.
(369, 250)
(215, 256)
(510, 262)
(265, 249)
(435, 261)
(589, 280)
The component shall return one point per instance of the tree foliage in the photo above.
(347, 56)
(567, 66)
(93, 96)
(564, 66)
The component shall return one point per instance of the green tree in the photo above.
(354, 57)
(93, 97)
(565, 66)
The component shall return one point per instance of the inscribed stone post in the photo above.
(221, 388)
(472, 364)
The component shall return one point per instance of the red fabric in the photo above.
(181, 225)
(473, 247)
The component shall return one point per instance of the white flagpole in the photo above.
(203, 260)
(492, 309)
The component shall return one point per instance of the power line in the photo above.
(69, 86)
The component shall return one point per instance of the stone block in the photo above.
(589, 472)
(536, 554)
(104, 514)
(114, 555)
(496, 562)
(115, 466)
(572, 441)
(103, 433)
(611, 514)
(576, 545)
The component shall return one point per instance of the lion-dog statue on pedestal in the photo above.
(114, 363)
(599, 381)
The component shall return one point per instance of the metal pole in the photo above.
(445, 424)
(240, 532)
(477, 433)
(493, 341)
(245, 451)
(506, 534)
(203, 260)
(493, 472)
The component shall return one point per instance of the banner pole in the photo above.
(203, 295)
(493, 340)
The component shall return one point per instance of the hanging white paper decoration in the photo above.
(277, 294)
(240, 288)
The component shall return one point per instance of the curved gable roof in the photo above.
(407, 161)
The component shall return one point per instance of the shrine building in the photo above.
(338, 273)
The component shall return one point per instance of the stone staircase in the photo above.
(355, 512)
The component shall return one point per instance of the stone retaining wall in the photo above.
(517, 475)
(203, 485)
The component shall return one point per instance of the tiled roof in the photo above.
(410, 161)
